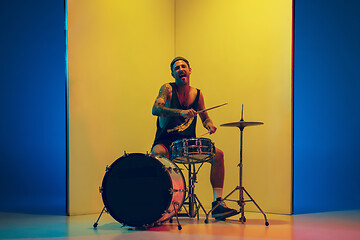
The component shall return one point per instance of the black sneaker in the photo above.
(222, 211)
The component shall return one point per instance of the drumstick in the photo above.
(204, 133)
(204, 110)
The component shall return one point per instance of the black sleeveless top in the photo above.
(177, 127)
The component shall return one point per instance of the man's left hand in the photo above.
(211, 128)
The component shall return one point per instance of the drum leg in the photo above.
(176, 215)
(96, 223)
(192, 180)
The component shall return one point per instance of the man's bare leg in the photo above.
(221, 212)
(217, 173)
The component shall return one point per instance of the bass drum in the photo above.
(140, 190)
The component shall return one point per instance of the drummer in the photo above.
(176, 107)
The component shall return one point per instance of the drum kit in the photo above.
(143, 190)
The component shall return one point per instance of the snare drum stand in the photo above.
(192, 199)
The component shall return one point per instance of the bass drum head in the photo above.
(136, 190)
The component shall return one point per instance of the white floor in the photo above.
(343, 225)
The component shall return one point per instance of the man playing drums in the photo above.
(176, 107)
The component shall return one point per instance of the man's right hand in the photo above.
(188, 113)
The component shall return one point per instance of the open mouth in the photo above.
(183, 74)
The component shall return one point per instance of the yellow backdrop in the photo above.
(240, 53)
(119, 54)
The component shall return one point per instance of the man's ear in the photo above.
(190, 70)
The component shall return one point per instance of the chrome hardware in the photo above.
(172, 191)
(167, 169)
(101, 189)
(107, 168)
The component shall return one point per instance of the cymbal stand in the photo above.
(241, 202)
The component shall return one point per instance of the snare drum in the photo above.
(192, 150)
(140, 190)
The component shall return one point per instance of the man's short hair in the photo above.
(177, 59)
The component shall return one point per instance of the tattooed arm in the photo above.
(159, 108)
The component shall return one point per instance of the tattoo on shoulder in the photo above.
(164, 92)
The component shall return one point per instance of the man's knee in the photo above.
(161, 150)
(219, 154)
(218, 158)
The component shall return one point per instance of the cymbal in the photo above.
(241, 124)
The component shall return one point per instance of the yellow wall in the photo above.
(240, 53)
(119, 52)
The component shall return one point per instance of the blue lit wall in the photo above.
(327, 105)
(32, 98)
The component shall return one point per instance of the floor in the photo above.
(344, 225)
